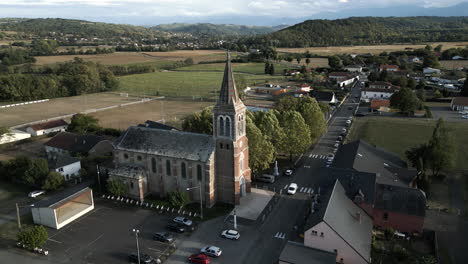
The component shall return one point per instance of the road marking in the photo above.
(280, 235)
(285, 187)
(307, 166)
(310, 190)
(322, 156)
(302, 188)
(310, 156)
(53, 240)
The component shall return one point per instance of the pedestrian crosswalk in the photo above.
(306, 190)
(280, 235)
(317, 156)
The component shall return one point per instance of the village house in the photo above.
(160, 161)
(302, 90)
(378, 90)
(342, 79)
(459, 103)
(413, 59)
(337, 225)
(66, 165)
(380, 105)
(275, 90)
(47, 127)
(389, 68)
(353, 68)
(66, 143)
(13, 135)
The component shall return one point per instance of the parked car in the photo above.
(330, 156)
(288, 172)
(163, 237)
(463, 112)
(360, 114)
(266, 178)
(343, 130)
(183, 221)
(34, 194)
(348, 121)
(175, 228)
(144, 258)
(230, 234)
(465, 117)
(339, 138)
(199, 258)
(292, 188)
(337, 145)
(211, 251)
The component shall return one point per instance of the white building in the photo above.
(339, 226)
(48, 127)
(353, 68)
(13, 135)
(66, 165)
(459, 103)
(378, 90)
(63, 208)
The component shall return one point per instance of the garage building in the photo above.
(63, 208)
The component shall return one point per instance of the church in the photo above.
(158, 160)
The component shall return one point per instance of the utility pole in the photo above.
(136, 231)
(98, 177)
(201, 201)
(18, 216)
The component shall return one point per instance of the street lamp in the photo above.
(201, 197)
(136, 231)
(18, 213)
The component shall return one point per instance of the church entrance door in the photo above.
(242, 187)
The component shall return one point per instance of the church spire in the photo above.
(228, 93)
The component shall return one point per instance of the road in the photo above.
(290, 210)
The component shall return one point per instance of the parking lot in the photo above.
(105, 235)
(443, 110)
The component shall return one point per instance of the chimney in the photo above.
(358, 216)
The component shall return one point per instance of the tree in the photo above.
(188, 61)
(298, 59)
(383, 76)
(405, 100)
(421, 94)
(335, 62)
(418, 156)
(117, 187)
(374, 76)
(261, 150)
(307, 61)
(267, 68)
(272, 69)
(464, 89)
(53, 181)
(313, 117)
(199, 122)
(441, 149)
(297, 133)
(287, 103)
(36, 172)
(33, 237)
(438, 48)
(83, 124)
(411, 83)
(437, 94)
(178, 199)
(269, 126)
(431, 60)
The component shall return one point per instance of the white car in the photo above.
(36, 193)
(211, 251)
(343, 130)
(230, 234)
(292, 188)
(463, 112)
(337, 145)
(183, 221)
(348, 121)
(288, 172)
(330, 156)
(465, 117)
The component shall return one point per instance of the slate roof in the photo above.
(460, 101)
(297, 253)
(174, 144)
(228, 92)
(157, 125)
(64, 196)
(61, 161)
(135, 172)
(340, 214)
(400, 199)
(50, 124)
(354, 182)
(73, 142)
(323, 96)
(362, 156)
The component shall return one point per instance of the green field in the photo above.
(400, 134)
(196, 84)
(255, 68)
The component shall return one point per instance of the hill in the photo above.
(368, 31)
(45, 26)
(207, 29)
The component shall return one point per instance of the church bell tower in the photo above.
(232, 149)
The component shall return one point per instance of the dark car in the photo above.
(339, 138)
(360, 114)
(175, 228)
(163, 237)
(143, 258)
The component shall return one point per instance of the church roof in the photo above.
(228, 93)
(167, 143)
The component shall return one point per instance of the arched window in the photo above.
(221, 126)
(153, 165)
(199, 172)
(228, 127)
(168, 167)
(184, 171)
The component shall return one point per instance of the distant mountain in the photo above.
(368, 30)
(208, 29)
(44, 26)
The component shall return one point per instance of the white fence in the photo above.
(25, 103)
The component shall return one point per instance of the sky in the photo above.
(215, 11)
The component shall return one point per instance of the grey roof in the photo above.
(340, 214)
(296, 253)
(157, 125)
(64, 196)
(228, 93)
(61, 161)
(323, 96)
(73, 142)
(400, 199)
(354, 182)
(128, 172)
(362, 156)
(167, 143)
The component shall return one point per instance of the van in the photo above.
(267, 178)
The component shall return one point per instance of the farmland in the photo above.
(453, 64)
(254, 68)
(375, 49)
(401, 134)
(192, 84)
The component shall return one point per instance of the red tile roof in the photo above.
(377, 103)
(387, 66)
(50, 124)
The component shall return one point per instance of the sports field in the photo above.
(374, 49)
(401, 134)
(255, 68)
(186, 84)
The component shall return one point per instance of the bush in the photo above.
(178, 199)
(428, 111)
(388, 233)
(117, 187)
(53, 181)
(400, 252)
(33, 237)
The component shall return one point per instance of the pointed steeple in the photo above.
(228, 93)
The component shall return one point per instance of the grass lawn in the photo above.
(256, 68)
(196, 84)
(401, 134)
